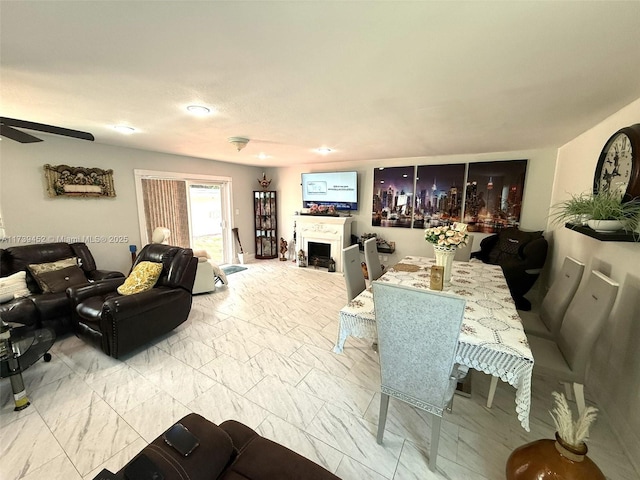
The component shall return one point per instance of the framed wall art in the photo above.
(393, 197)
(63, 180)
(494, 192)
(439, 195)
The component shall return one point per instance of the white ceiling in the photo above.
(370, 80)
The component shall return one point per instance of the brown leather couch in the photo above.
(230, 451)
(118, 324)
(39, 309)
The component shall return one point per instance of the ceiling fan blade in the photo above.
(41, 127)
(17, 135)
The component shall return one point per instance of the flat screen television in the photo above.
(339, 189)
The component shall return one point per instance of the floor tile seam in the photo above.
(324, 402)
(373, 392)
(54, 356)
(123, 447)
(64, 452)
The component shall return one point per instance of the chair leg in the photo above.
(578, 389)
(382, 420)
(492, 391)
(435, 440)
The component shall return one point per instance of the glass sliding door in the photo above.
(207, 219)
(195, 208)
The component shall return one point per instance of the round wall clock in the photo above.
(618, 168)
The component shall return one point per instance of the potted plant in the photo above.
(602, 211)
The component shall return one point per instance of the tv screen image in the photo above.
(339, 189)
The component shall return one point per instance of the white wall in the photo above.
(28, 211)
(537, 193)
(614, 378)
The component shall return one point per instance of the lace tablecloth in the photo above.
(492, 339)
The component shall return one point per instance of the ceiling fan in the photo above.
(9, 128)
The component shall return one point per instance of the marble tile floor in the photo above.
(260, 351)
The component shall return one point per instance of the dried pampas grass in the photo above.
(573, 433)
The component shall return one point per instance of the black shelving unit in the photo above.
(265, 215)
(619, 236)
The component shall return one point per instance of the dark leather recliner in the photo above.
(118, 324)
(521, 256)
(39, 309)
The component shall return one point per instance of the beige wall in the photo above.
(28, 211)
(614, 378)
(537, 193)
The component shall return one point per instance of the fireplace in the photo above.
(333, 232)
(319, 254)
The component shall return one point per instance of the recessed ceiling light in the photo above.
(263, 156)
(124, 129)
(323, 150)
(199, 110)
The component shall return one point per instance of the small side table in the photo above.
(27, 347)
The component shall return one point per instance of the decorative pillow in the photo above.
(14, 285)
(57, 281)
(142, 278)
(37, 268)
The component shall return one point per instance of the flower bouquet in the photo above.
(447, 237)
(446, 240)
(323, 210)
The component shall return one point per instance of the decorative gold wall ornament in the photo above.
(78, 181)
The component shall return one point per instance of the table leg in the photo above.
(342, 337)
(17, 385)
(463, 387)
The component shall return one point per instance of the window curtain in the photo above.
(165, 205)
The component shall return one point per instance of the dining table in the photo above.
(492, 338)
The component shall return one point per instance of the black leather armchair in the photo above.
(118, 324)
(521, 256)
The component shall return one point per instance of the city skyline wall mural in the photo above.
(393, 196)
(439, 195)
(493, 196)
(487, 196)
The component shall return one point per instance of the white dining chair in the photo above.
(353, 276)
(418, 334)
(374, 268)
(547, 323)
(567, 354)
(566, 358)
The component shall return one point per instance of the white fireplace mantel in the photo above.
(335, 231)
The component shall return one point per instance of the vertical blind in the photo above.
(165, 205)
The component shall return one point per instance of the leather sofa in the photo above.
(40, 309)
(118, 324)
(521, 256)
(230, 451)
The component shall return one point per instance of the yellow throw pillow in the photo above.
(142, 278)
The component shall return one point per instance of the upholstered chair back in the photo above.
(178, 264)
(584, 320)
(374, 268)
(418, 334)
(560, 294)
(353, 276)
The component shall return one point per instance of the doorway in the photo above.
(195, 208)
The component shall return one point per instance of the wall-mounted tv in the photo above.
(339, 189)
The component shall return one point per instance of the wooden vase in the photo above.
(551, 460)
